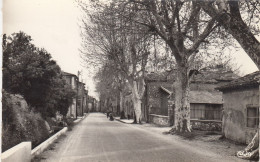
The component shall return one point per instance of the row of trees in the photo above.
(31, 72)
(123, 35)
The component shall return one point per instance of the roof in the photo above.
(214, 76)
(154, 76)
(206, 75)
(249, 80)
(167, 90)
(207, 97)
(68, 74)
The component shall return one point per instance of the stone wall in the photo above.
(159, 120)
(206, 125)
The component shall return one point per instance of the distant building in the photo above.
(71, 80)
(79, 105)
(241, 108)
(81, 94)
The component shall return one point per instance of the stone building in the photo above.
(241, 108)
(206, 102)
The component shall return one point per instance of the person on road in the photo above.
(111, 116)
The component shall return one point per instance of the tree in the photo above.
(242, 27)
(183, 27)
(108, 82)
(30, 71)
(240, 19)
(187, 28)
(112, 39)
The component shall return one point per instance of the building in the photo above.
(71, 80)
(205, 102)
(241, 108)
(80, 98)
(79, 105)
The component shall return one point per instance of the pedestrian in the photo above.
(108, 112)
(111, 116)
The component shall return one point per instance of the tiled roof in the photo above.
(213, 76)
(207, 75)
(207, 97)
(245, 81)
(212, 97)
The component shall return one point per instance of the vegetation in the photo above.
(30, 77)
(30, 71)
(111, 39)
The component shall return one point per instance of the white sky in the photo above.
(53, 25)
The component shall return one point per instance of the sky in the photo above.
(54, 25)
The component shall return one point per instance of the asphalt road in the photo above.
(97, 139)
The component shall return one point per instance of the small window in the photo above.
(252, 117)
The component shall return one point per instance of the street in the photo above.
(97, 139)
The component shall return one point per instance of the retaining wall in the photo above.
(206, 125)
(39, 149)
(18, 153)
(159, 120)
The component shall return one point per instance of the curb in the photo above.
(122, 121)
(80, 118)
(39, 149)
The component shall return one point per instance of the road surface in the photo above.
(97, 139)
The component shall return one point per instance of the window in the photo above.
(252, 117)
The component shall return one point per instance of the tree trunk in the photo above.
(182, 104)
(137, 100)
(121, 104)
(137, 108)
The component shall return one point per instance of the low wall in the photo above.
(39, 149)
(18, 153)
(159, 120)
(206, 125)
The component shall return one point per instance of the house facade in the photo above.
(81, 102)
(79, 105)
(71, 80)
(241, 108)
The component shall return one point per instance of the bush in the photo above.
(20, 123)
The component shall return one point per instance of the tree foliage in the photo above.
(31, 72)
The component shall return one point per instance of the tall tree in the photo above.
(183, 27)
(30, 71)
(123, 43)
(109, 81)
(187, 27)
